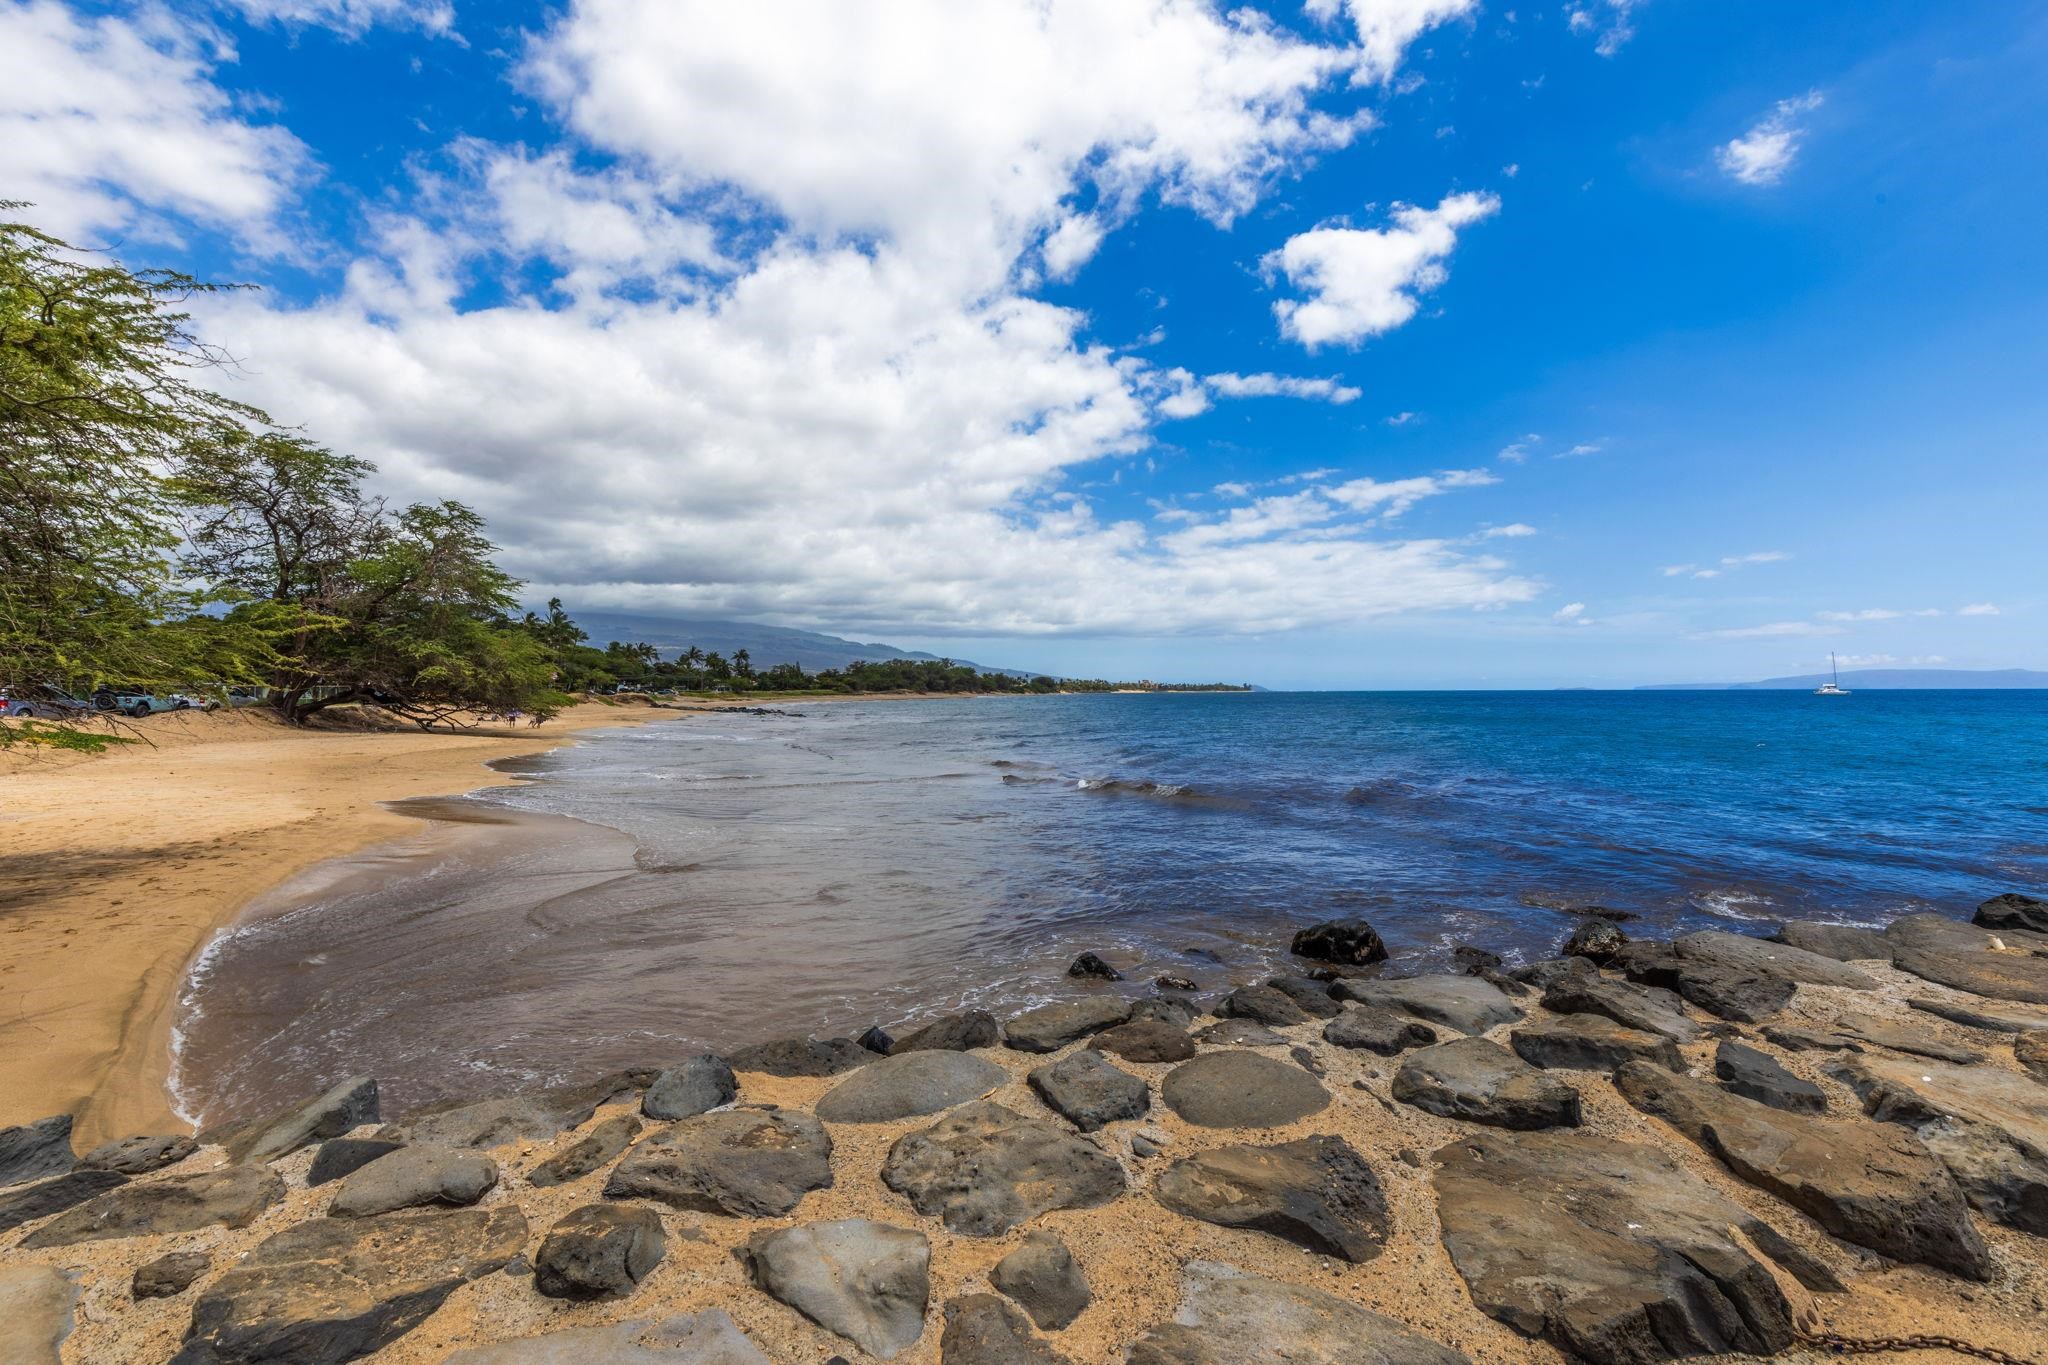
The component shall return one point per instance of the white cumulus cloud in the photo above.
(1979, 609)
(1365, 281)
(353, 17)
(1762, 155)
(1281, 386)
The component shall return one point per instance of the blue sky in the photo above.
(1382, 343)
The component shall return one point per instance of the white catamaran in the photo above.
(1833, 686)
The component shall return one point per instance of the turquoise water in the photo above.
(856, 862)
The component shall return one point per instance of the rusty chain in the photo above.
(1835, 1341)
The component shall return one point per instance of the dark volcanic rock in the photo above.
(1591, 1042)
(231, 1197)
(1090, 967)
(332, 1289)
(1483, 1082)
(1317, 1193)
(1349, 942)
(54, 1195)
(1162, 1009)
(1988, 1126)
(1595, 940)
(1313, 997)
(1239, 1033)
(1868, 1028)
(1805, 1039)
(587, 1153)
(1042, 1277)
(1241, 1090)
(413, 1177)
(961, 1032)
(876, 1039)
(1549, 971)
(1757, 1076)
(802, 1057)
(1464, 1003)
(1262, 1004)
(34, 1151)
(1748, 997)
(697, 1086)
(1991, 1018)
(706, 1337)
(1873, 1184)
(1842, 942)
(140, 1155)
(1146, 1040)
(1378, 1031)
(599, 1251)
(1611, 1250)
(1175, 983)
(1644, 1008)
(983, 1330)
(342, 1156)
(867, 1281)
(348, 1105)
(743, 1163)
(534, 1117)
(1965, 958)
(1051, 1027)
(1088, 1092)
(908, 1084)
(2013, 911)
(1754, 956)
(168, 1275)
(1227, 1317)
(983, 1170)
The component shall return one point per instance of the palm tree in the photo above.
(691, 658)
(742, 663)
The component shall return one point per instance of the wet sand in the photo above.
(116, 869)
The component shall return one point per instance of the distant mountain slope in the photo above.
(1880, 679)
(765, 645)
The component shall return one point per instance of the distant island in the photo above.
(1881, 680)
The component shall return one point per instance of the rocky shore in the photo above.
(1631, 1152)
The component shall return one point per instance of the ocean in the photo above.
(674, 888)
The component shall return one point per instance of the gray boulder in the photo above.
(169, 1275)
(1611, 1250)
(1644, 1008)
(706, 1338)
(1317, 1193)
(1741, 953)
(1595, 940)
(1313, 997)
(868, 1282)
(1869, 1183)
(1347, 942)
(983, 1170)
(587, 1153)
(962, 1032)
(1464, 1003)
(801, 1057)
(1162, 1009)
(743, 1163)
(1044, 1280)
(700, 1084)
(1988, 1126)
(27, 1203)
(599, 1251)
(1757, 1076)
(1481, 1081)
(35, 1313)
(535, 1117)
(1146, 1040)
(343, 1156)
(1990, 1018)
(1842, 942)
(140, 1155)
(1241, 1090)
(1731, 993)
(1227, 1317)
(1239, 1033)
(1591, 1042)
(1547, 972)
(1262, 1004)
(1805, 1039)
(908, 1084)
(414, 1177)
(331, 1289)
(1967, 958)
(983, 1330)
(1868, 1028)
(1378, 1031)
(1088, 1092)
(36, 1151)
(349, 1104)
(229, 1197)
(1051, 1027)
(2013, 911)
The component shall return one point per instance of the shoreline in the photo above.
(123, 866)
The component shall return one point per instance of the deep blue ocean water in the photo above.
(870, 861)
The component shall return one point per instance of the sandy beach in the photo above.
(118, 866)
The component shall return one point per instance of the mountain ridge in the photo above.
(766, 645)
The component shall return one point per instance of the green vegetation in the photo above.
(154, 534)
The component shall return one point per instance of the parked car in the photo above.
(53, 705)
(130, 702)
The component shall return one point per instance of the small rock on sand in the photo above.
(1238, 1089)
(1227, 1317)
(867, 1281)
(1044, 1280)
(908, 1084)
